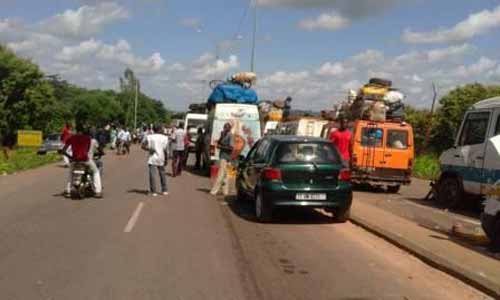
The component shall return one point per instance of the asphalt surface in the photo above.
(189, 245)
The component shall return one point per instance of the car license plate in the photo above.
(79, 172)
(310, 196)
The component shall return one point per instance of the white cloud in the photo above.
(417, 78)
(217, 69)
(351, 85)
(203, 60)
(325, 21)
(193, 23)
(368, 57)
(450, 52)
(476, 24)
(177, 67)
(482, 66)
(350, 8)
(331, 69)
(85, 21)
(281, 78)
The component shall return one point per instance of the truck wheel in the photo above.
(263, 209)
(393, 189)
(451, 192)
(495, 242)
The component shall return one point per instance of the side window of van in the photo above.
(474, 130)
(372, 137)
(397, 139)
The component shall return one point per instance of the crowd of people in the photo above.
(160, 143)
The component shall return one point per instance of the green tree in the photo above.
(420, 121)
(452, 109)
(26, 98)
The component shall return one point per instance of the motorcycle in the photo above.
(82, 184)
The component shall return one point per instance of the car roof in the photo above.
(487, 103)
(295, 139)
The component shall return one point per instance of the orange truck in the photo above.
(382, 154)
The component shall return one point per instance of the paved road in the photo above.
(189, 245)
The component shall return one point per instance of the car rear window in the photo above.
(321, 153)
(397, 139)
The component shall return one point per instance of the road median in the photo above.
(434, 248)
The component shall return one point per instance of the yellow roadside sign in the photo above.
(29, 138)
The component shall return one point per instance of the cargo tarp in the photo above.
(233, 93)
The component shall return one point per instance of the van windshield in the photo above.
(321, 153)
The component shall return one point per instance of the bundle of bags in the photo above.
(275, 110)
(377, 101)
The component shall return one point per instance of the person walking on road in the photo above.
(225, 145)
(341, 138)
(157, 146)
(199, 146)
(179, 147)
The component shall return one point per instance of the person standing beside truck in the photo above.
(341, 138)
(179, 146)
(225, 145)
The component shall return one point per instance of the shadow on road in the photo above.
(138, 191)
(476, 246)
(290, 216)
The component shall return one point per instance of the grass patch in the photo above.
(426, 167)
(24, 159)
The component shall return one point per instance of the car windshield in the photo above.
(322, 153)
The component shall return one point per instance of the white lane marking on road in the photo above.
(134, 218)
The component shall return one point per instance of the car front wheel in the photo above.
(263, 209)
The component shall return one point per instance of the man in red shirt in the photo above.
(80, 144)
(341, 138)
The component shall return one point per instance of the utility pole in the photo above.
(135, 104)
(431, 114)
(252, 65)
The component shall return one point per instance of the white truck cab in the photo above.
(472, 165)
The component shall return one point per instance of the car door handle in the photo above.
(457, 156)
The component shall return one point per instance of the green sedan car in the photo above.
(286, 171)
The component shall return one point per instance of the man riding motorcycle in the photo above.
(83, 149)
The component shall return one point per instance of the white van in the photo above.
(245, 121)
(303, 127)
(472, 166)
(191, 124)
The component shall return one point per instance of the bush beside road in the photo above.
(426, 167)
(24, 159)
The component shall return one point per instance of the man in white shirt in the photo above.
(179, 137)
(127, 139)
(157, 146)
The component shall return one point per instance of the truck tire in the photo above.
(451, 192)
(380, 81)
(495, 241)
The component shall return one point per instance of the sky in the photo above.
(311, 50)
